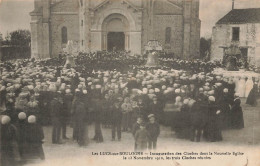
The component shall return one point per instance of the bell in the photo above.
(152, 60)
(70, 61)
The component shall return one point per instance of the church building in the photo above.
(96, 25)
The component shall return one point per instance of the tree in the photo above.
(16, 45)
(6, 40)
(20, 38)
(205, 45)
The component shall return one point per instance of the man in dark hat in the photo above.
(56, 109)
(97, 105)
(80, 112)
(68, 97)
(157, 109)
(116, 118)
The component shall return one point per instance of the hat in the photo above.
(85, 91)
(185, 101)
(151, 91)
(178, 99)
(211, 98)
(22, 116)
(175, 85)
(163, 87)
(206, 88)
(30, 87)
(5, 119)
(225, 90)
(98, 86)
(82, 79)
(191, 102)
(67, 91)
(211, 92)
(52, 88)
(149, 86)
(150, 116)
(80, 86)
(31, 119)
(177, 90)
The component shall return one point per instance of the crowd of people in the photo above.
(186, 95)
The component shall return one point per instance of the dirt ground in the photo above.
(246, 141)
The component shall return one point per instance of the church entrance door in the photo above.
(115, 41)
(115, 33)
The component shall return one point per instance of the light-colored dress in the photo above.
(249, 86)
(241, 87)
(236, 81)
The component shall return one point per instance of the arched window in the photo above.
(168, 35)
(64, 37)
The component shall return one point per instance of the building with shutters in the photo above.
(238, 31)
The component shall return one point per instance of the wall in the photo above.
(257, 48)
(147, 20)
(65, 13)
(222, 37)
(166, 14)
(176, 24)
(133, 17)
(72, 24)
(195, 30)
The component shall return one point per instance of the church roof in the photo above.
(241, 16)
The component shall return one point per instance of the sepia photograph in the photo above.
(129, 82)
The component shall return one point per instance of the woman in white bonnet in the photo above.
(241, 87)
(249, 86)
(8, 148)
(236, 81)
(34, 137)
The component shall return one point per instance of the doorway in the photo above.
(116, 41)
(244, 57)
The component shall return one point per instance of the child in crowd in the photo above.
(141, 138)
(153, 129)
(136, 127)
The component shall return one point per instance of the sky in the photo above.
(14, 14)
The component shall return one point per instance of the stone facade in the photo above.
(248, 24)
(222, 38)
(92, 23)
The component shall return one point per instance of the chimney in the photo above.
(233, 4)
